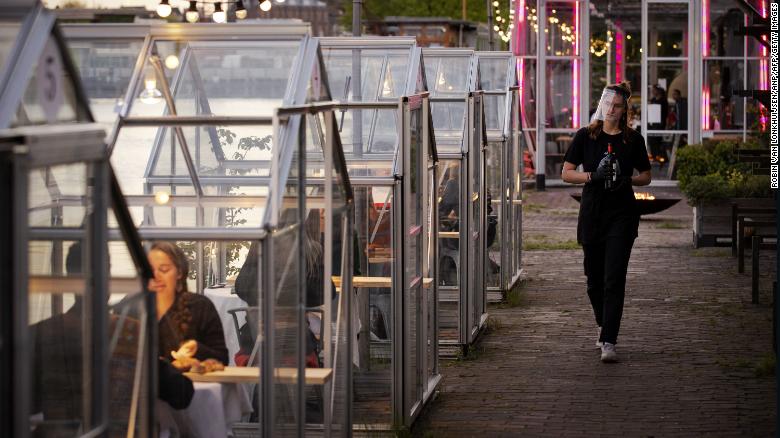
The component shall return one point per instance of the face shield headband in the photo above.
(610, 104)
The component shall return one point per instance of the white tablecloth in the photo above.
(211, 413)
(224, 300)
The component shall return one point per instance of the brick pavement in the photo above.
(689, 345)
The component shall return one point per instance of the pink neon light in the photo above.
(520, 79)
(705, 108)
(705, 37)
(575, 97)
(519, 29)
(763, 76)
(619, 55)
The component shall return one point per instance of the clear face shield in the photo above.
(612, 106)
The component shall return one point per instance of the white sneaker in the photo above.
(599, 344)
(608, 353)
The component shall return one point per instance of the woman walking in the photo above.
(608, 219)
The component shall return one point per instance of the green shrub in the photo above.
(711, 171)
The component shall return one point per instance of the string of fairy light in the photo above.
(503, 26)
(218, 13)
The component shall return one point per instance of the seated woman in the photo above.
(186, 321)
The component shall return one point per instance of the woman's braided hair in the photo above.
(180, 312)
(597, 126)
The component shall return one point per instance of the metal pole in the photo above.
(463, 21)
(490, 24)
(356, 14)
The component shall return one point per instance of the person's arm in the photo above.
(211, 337)
(572, 176)
(641, 162)
(175, 388)
(575, 155)
(642, 179)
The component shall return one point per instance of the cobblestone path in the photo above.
(694, 352)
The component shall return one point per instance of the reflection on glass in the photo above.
(725, 110)
(664, 76)
(560, 97)
(668, 24)
(561, 28)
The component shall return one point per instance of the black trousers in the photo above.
(606, 265)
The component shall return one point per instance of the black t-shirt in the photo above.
(607, 213)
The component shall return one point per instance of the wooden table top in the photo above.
(378, 282)
(314, 376)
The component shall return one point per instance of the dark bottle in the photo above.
(609, 181)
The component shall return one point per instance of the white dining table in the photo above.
(224, 300)
(214, 408)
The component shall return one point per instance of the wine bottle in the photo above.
(609, 181)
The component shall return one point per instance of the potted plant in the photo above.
(712, 178)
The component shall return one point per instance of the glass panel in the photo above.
(721, 78)
(668, 27)
(105, 68)
(663, 148)
(529, 31)
(59, 330)
(476, 237)
(127, 316)
(286, 345)
(379, 131)
(560, 96)
(495, 107)
(8, 33)
(724, 19)
(131, 155)
(222, 78)
(494, 211)
(492, 73)
(447, 75)
(55, 91)
(416, 176)
(556, 146)
(527, 83)
(663, 76)
(529, 160)
(448, 118)
(449, 204)
(757, 115)
(372, 317)
(412, 391)
(561, 28)
(383, 72)
(56, 197)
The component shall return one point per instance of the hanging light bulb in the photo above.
(265, 6)
(495, 3)
(151, 95)
(240, 10)
(162, 198)
(192, 14)
(164, 9)
(171, 61)
(219, 15)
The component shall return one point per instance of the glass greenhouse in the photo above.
(228, 152)
(503, 172)
(457, 111)
(79, 332)
(391, 158)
